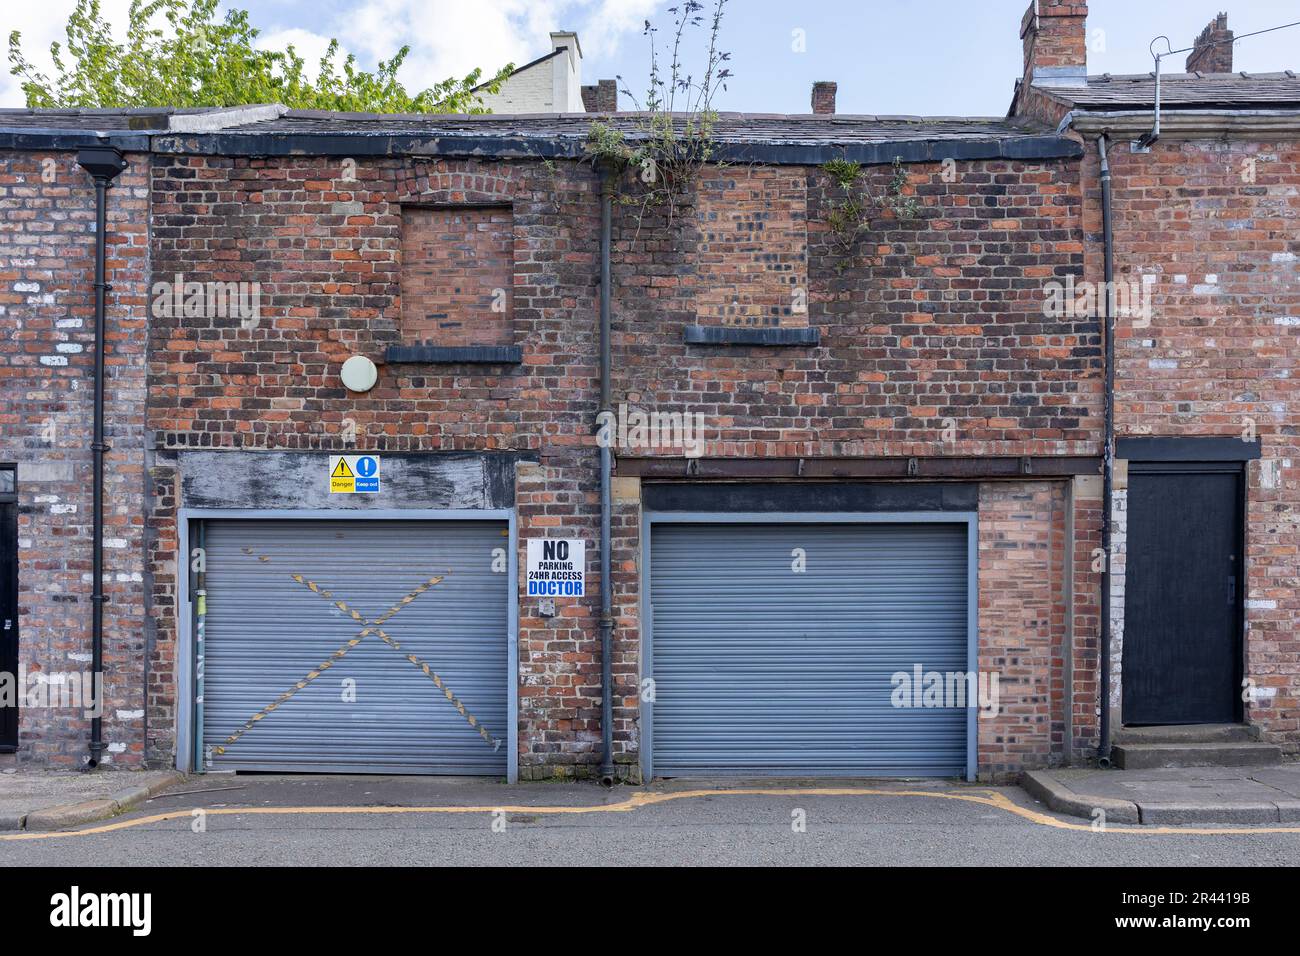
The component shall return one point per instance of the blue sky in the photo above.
(943, 57)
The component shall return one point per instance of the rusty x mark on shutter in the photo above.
(368, 627)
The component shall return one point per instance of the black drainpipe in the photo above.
(104, 163)
(1108, 457)
(607, 173)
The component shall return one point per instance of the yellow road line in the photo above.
(637, 801)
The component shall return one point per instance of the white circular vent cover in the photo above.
(359, 374)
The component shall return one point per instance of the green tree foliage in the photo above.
(181, 53)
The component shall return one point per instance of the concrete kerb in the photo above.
(1057, 796)
(88, 811)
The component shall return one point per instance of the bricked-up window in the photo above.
(457, 270)
(753, 248)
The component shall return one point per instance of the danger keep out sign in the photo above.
(354, 474)
(557, 567)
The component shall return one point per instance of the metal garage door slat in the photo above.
(760, 670)
(266, 631)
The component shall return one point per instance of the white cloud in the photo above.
(310, 46)
(613, 22)
(40, 25)
(452, 37)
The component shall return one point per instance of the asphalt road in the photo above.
(712, 829)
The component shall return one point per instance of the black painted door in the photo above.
(9, 622)
(1182, 594)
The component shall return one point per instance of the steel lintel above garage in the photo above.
(943, 467)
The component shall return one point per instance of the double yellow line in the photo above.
(987, 798)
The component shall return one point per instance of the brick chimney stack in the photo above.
(601, 97)
(1056, 42)
(823, 97)
(1213, 50)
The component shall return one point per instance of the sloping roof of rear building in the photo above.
(1245, 91)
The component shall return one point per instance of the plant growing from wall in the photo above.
(673, 136)
(849, 214)
(551, 172)
(846, 216)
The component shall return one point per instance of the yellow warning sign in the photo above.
(354, 474)
(342, 478)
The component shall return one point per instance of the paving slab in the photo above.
(1285, 778)
(53, 799)
(1172, 796)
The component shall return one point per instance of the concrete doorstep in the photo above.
(1172, 796)
(44, 800)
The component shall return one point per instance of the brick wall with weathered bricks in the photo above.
(47, 356)
(457, 269)
(1218, 227)
(752, 248)
(1023, 626)
(934, 341)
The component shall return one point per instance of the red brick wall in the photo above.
(47, 361)
(932, 322)
(1023, 626)
(1083, 674)
(327, 251)
(752, 252)
(457, 271)
(1216, 224)
(934, 336)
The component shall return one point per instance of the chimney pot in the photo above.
(823, 97)
(1213, 50)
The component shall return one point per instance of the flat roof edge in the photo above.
(30, 139)
(920, 149)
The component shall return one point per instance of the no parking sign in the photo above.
(557, 567)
